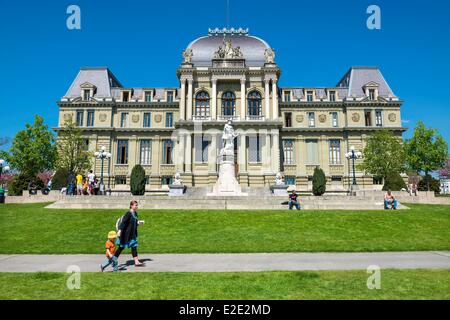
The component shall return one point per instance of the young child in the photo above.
(110, 250)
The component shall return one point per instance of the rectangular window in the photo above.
(85, 146)
(254, 149)
(169, 96)
(309, 96)
(288, 148)
(166, 180)
(332, 96)
(147, 120)
(288, 119)
(80, 115)
(125, 96)
(201, 149)
(122, 151)
(90, 118)
(368, 118)
(372, 94)
(335, 152)
(312, 152)
(146, 152)
(287, 96)
(148, 96)
(120, 180)
(167, 152)
(334, 119)
(311, 119)
(289, 180)
(169, 120)
(86, 95)
(124, 119)
(378, 118)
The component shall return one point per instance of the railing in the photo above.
(226, 118)
(254, 118)
(290, 169)
(201, 118)
(167, 169)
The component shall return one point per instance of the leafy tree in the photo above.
(32, 149)
(59, 180)
(20, 183)
(319, 182)
(394, 182)
(444, 173)
(428, 183)
(137, 181)
(72, 152)
(383, 154)
(426, 151)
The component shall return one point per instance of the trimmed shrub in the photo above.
(137, 181)
(394, 182)
(428, 179)
(59, 180)
(319, 182)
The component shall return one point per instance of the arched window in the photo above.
(202, 105)
(254, 104)
(228, 104)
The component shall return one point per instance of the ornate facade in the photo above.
(225, 75)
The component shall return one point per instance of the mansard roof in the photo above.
(100, 77)
(358, 77)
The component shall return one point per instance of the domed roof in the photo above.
(252, 48)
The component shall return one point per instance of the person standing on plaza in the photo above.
(128, 235)
(79, 178)
(91, 177)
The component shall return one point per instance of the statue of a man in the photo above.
(279, 179)
(187, 55)
(177, 179)
(270, 55)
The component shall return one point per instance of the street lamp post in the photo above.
(102, 155)
(353, 155)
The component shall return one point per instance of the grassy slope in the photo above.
(395, 284)
(30, 228)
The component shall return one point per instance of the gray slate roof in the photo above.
(102, 78)
(357, 77)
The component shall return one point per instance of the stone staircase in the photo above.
(195, 198)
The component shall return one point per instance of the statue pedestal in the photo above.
(227, 185)
(176, 190)
(279, 190)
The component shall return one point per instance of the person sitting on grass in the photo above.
(110, 250)
(389, 201)
(293, 201)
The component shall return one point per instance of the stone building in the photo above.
(225, 75)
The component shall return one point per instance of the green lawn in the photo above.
(395, 284)
(30, 228)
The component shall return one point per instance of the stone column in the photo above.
(274, 99)
(180, 154)
(183, 99)
(189, 100)
(242, 154)
(267, 154)
(156, 155)
(243, 100)
(188, 153)
(214, 100)
(275, 152)
(212, 156)
(267, 100)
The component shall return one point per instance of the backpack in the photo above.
(119, 222)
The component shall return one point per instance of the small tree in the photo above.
(72, 152)
(426, 151)
(32, 149)
(137, 181)
(59, 180)
(428, 183)
(444, 173)
(394, 182)
(383, 154)
(319, 182)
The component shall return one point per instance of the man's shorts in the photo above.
(79, 187)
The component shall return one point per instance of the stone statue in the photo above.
(228, 52)
(279, 179)
(228, 137)
(270, 55)
(177, 180)
(187, 55)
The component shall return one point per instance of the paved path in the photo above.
(231, 262)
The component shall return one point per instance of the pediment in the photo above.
(87, 85)
(371, 84)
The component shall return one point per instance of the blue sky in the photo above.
(141, 42)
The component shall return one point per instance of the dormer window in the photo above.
(309, 96)
(126, 96)
(371, 94)
(147, 96)
(86, 95)
(332, 96)
(87, 91)
(170, 96)
(287, 96)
